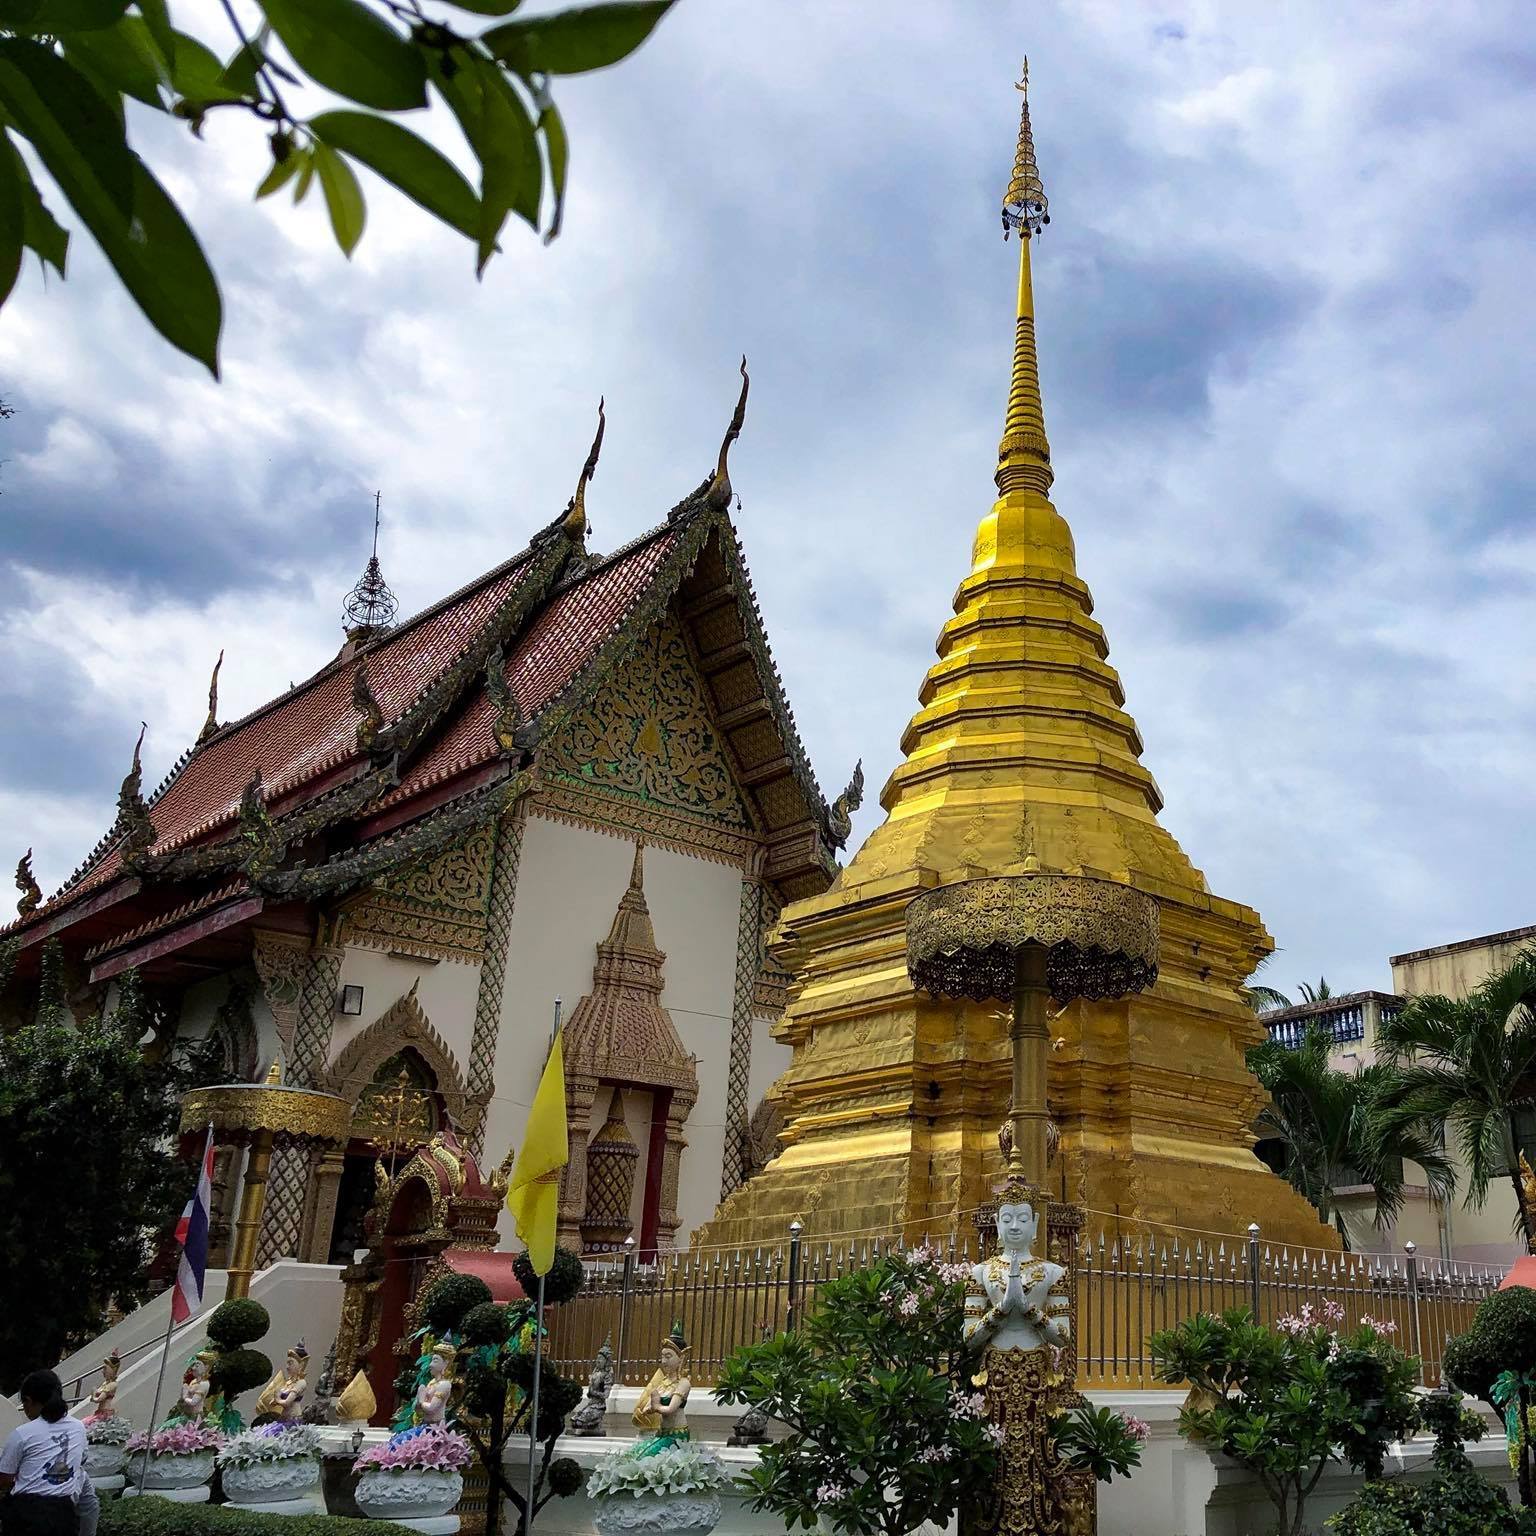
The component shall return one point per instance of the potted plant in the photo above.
(271, 1463)
(414, 1476)
(179, 1456)
(677, 1489)
(105, 1446)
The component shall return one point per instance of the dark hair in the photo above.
(43, 1388)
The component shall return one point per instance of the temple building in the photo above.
(1021, 758)
(576, 778)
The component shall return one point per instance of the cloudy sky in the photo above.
(1286, 324)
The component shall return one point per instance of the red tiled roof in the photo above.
(547, 657)
(312, 729)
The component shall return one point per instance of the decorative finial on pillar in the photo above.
(370, 606)
(31, 895)
(211, 724)
(637, 869)
(575, 521)
(719, 494)
(1024, 454)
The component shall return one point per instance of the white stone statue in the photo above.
(193, 1402)
(1012, 1301)
(433, 1394)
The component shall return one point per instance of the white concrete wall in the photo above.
(570, 879)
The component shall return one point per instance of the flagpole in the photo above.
(170, 1322)
(154, 1411)
(538, 1351)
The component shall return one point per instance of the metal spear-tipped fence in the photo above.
(1130, 1284)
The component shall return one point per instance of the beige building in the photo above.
(1353, 1021)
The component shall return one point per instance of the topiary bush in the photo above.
(1495, 1359)
(445, 1303)
(233, 1323)
(239, 1370)
(160, 1517)
(486, 1324)
(565, 1278)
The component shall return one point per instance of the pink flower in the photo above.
(1291, 1324)
(997, 1435)
(1137, 1429)
(1333, 1313)
(967, 1405)
(184, 1439)
(908, 1305)
(830, 1493)
(953, 1274)
(433, 1448)
(933, 1454)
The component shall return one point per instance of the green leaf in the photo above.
(239, 75)
(424, 174)
(80, 141)
(572, 42)
(40, 231)
(352, 51)
(558, 147)
(343, 197)
(196, 73)
(59, 16)
(306, 174)
(10, 223)
(282, 172)
(488, 7)
(124, 55)
(157, 17)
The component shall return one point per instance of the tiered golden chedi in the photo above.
(1021, 758)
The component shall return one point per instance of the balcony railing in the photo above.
(1342, 1019)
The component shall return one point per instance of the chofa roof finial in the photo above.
(31, 895)
(211, 724)
(575, 521)
(720, 493)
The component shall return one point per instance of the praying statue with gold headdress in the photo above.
(660, 1406)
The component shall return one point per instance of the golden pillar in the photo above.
(251, 1114)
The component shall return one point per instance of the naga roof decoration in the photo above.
(398, 745)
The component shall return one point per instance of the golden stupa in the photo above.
(1021, 758)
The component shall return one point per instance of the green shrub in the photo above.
(486, 1324)
(1502, 1338)
(446, 1302)
(233, 1323)
(565, 1278)
(151, 1516)
(238, 1370)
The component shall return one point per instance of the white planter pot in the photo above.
(265, 1482)
(175, 1471)
(408, 1495)
(104, 1460)
(619, 1514)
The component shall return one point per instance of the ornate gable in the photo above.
(646, 739)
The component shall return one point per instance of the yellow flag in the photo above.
(533, 1196)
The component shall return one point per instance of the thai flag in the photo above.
(192, 1234)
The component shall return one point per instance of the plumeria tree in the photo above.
(886, 1429)
(1285, 1401)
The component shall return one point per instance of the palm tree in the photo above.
(1263, 999)
(1321, 1136)
(1468, 1067)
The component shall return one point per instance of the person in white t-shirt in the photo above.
(40, 1463)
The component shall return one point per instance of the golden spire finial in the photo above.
(211, 724)
(575, 523)
(720, 487)
(1024, 455)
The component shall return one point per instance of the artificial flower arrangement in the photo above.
(184, 1438)
(113, 1430)
(432, 1448)
(271, 1442)
(686, 1467)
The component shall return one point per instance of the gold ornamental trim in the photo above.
(1101, 937)
(247, 1107)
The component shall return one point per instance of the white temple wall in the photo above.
(570, 879)
(445, 989)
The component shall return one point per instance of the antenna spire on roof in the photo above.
(370, 606)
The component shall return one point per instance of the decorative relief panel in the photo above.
(436, 909)
(648, 737)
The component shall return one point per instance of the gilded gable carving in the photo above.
(647, 737)
(436, 908)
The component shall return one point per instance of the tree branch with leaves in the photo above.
(70, 68)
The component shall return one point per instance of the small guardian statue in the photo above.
(661, 1404)
(282, 1399)
(104, 1398)
(591, 1412)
